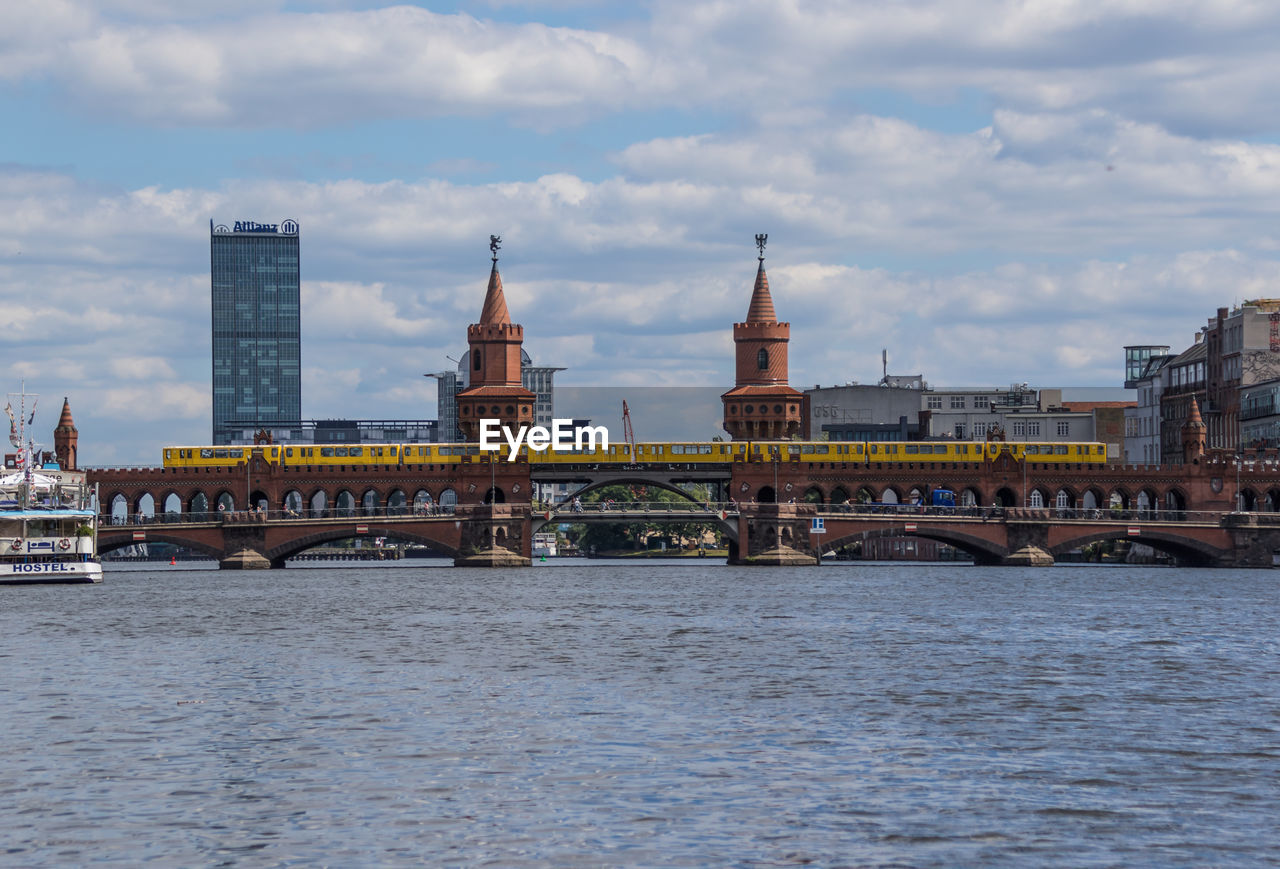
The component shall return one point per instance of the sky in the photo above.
(995, 191)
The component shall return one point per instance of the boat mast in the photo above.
(18, 436)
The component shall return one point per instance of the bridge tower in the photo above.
(66, 439)
(761, 405)
(494, 388)
(1194, 435)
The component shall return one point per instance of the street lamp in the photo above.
(1239, 494)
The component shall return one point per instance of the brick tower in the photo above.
(761, 406)
(494, 389)
(66, 439)
(1193, 435)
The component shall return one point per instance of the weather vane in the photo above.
(495, 244)
(761, 240)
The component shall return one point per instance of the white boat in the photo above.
(48, 524)
(49, 545)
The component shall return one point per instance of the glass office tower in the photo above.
(256, 336)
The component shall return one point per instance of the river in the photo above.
(643, 714)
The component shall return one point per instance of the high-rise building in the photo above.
(257, 358)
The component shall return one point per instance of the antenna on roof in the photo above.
(884, 361)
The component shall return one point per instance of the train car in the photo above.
(215, 457)
(920, 452)
(296, 455)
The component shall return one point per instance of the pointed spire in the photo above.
(761, 310)
(495, 304)
(1193, 416)
(65, 422)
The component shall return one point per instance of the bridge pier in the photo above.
(775, 535)
(247, 559)
(494, 535)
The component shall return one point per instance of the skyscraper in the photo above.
(256, 328)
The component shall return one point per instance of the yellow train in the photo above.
(688, 452)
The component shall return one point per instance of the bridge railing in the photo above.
(1060, 514)
(564, 508)
(244, 516)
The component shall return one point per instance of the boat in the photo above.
(48, 524)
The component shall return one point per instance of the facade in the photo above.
(1183, 386)
(1243, 349)
(257, 359)
(858, 412)
(495, 388)
(344, 431)
(1020, 413)
(1260, 415)
(1137, 358)
(1142, 421)
(761, 405)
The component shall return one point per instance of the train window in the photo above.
(356, 451)
(1060, 451)
(677, 449)
(168, 454)
(341, 451)
(911, 449)
(393, 451)
(1033, 449)
(288, 452)
(326, 452)
(873, 449)
(206, 454)
(219, 454)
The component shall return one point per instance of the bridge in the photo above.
(763, 534)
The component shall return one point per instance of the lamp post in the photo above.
(1239, 495)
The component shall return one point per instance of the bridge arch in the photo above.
(495, 495)
(292, 503)
(1175, 499)
(1092, 499)
(318, 502)
(344, 504)
(1005, 497)
(983, 551)
(839, 495)
(1272, 501)
(970, 497)
(1248, 500)
(198, 505)
(1187, 550)
(813, 495)
(258, 500)
(169, 534)
(277, 554)
(369, 502)
(890, 495)
(171, 504)
(226, 502)
(397, 503)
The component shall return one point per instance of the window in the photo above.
(957, 402)
(1019, 429)
(935, 402)
(1064, 428)
(981, 402)
(960, 430)
(762, 359)
(1033, 429)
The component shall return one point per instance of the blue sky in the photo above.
(994, 191)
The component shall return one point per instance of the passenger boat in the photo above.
(48, 527)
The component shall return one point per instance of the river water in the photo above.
(633, 714)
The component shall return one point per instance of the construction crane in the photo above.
(628, 434)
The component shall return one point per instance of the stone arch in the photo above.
(787, 537)
(812, 495)
(344, 504)
(171, 507)
(1005, 497)
(495, 495)
(1119, 499)
(448, 500)
(918, 495)
(1248, 500)
(766, 495)
(144, 508)
(118, 506)
(865, 495)
(258, 500)
(1272, 501)
(198, 505)
(423, 503)
(318, 503)
(397, 503)
(1147, 502)
(970, 497)
(1175, 500)
(1038, 499)
(369, 502)
(1187, 551)
(292, 503)
(226, 502)
(1092, 499)
(890, 496)
(839, 495)
(1063, 499)
(500, 537)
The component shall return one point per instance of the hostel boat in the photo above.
(48, 527)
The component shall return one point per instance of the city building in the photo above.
(1018, 413)
(761, 405)
(343, 431)
(257, 360)
(861, 412)
(1242, 349)
(1260, 415)
(1182, 390)
(1142, 420)
(538, 379)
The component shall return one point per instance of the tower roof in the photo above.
(495, 304)
(1193, 416)
(65, 423)
(761, 310)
